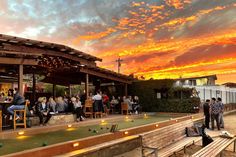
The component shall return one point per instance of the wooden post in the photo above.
(34, 88)
(20, 80)
(204, 91)
(126, 89)
(226, 97)
(87, 86)
(69, 90)
(234, 145)
(53, 90)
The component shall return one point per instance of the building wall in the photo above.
(227, 94)
(195, 82)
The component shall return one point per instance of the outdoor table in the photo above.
(5, 118)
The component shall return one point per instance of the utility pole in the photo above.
(119, 63)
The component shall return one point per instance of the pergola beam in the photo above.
(18, 61)
(102, 75)
(24, 49)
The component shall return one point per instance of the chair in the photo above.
(23, 116)
(88, 108)
(0, 120)
(124, 107)
(98, 114)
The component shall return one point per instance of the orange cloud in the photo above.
(93, 35)
(177, 4)
(143, 22)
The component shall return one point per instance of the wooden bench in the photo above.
(168, 140)
(216, 147)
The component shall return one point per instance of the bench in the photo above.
(167, 140)
(216, 147)
(56, 119)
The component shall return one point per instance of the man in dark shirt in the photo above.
(215, 111)
(206, 109)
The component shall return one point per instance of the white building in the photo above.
(227, 94)
(207, 89)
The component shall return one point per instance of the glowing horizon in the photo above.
(155, 39)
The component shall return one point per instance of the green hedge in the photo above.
(178, 105)
(146, 91)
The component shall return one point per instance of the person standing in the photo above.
(97, 105)
(206, 109)
(221, 119)
(215, 111)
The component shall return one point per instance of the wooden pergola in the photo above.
(59, 64)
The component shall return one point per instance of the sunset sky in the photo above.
(155, 38)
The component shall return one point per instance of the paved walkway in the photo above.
(230, 126)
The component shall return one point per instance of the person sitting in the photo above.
(128, 101)
(43, 110)
(114, 102)
(136, 104)
(18, 103)
(61, 105)
(78, 109)
(118, 106)
(52, 105)
(2, 95)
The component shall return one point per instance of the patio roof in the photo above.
(51, 58)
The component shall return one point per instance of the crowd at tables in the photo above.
(44, 107)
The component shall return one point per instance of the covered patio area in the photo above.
(21, 60)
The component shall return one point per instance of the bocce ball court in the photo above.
(85, 135)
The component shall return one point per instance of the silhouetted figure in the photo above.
(206, 139)
(206, 109)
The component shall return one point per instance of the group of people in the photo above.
(213, 111)
(44, 108)
(102, 103)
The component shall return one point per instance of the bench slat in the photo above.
(220, 147)
(168, 139)
(214, 148)
(201, 151)
(163, 135)
(177, 146)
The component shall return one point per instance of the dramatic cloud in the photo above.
(155, 39)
